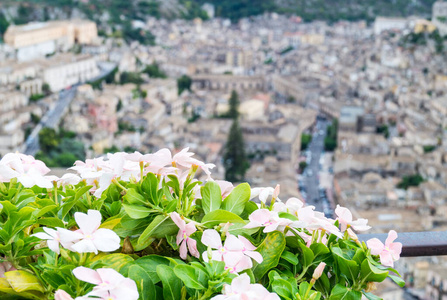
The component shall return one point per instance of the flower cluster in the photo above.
(236, 252)
(100, 172)
(229, 244)
(88, 238)
(241, 289)
(109, 285)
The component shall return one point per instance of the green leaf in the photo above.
(150, 186)
(290, 257)
(283, 288)
(271, 249)
(348, 267)
(319, 249)
(371, 296)
(340, 292)
(220, 216)
(172, 285)
(51, 222)
(115, 260)
(160, 227)
(137, 211)
(397, 280)
(308, 255)
(288, 216)
(235, 202)
(146, 287)
(22, 281)
(369, 272)
(149, 263)
(211, 197)
(238, 228)
(192, 277)
(45, 210)
(133, 197)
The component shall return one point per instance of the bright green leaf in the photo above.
(211, 197)
(235, 202)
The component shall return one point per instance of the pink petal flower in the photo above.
(389, 252)
(183, 236)
(62, 295)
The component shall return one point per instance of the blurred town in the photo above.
(347, 113)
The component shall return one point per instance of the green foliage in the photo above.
(383, 129)
(330, 141)
(233, 110)
(303, 165)
(48, 139)
(131, 77)
(153, 70)
(59, 149)
(410, 180)
(235, 159)
(141, 211)
(3, 23)
(429, 148)
(135, 34)
(36, 97)
(305, 141)
(184, 83)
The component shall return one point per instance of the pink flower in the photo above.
(345, 220)
(54, 239)
(183, 236)
(28, 171)
(241, 289)
(264, 193)
(93, 239)
(390, 252)
(318, 270)
(249, 249)
(110, 284)
(268, 219)
(62, 295)
(235, 252)
(225, 187)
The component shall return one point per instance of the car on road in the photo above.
(309, 173)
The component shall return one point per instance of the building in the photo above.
(439, 16)
(34, 40)
(383, 24)
(65, 70)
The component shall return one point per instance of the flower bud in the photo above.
(318, 271)
(352, 235)
(62, 295)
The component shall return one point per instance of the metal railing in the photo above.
(426, 243)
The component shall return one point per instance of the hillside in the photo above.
(118, 11)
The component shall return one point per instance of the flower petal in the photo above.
(84, 246)
(89, 222)
(106, 240)
(375, 245)
(87, 275)
(211, 238)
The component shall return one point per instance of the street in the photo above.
(52, 118)
(315, 196)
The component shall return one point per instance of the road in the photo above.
(53, 117)
(311, 173)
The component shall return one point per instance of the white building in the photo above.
(65, 70)
(383, 24)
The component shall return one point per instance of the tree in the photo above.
(184, 83)
(3, 23)
(235, 159)
(48, 139)
(233, 111)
